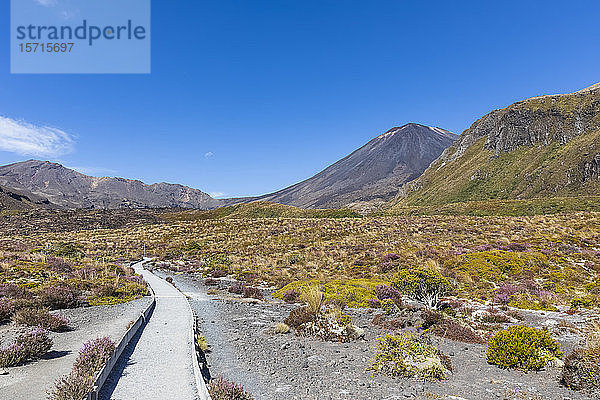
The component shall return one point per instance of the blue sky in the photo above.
(247, 97)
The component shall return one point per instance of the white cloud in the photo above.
(47, 3)
(30, 140)
(209, 154)
(68, 15)
(215, 195)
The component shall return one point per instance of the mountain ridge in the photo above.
(371, 174)
(68, 188)
(541, 146)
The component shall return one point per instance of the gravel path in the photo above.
(33, 380)
(159, 363)
(273, 366)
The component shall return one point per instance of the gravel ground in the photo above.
(159, 363)
(33, 380)
(272, 366)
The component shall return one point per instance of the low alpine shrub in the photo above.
(522, 348)
(78, 383)
(94, 354)
(423, 285)
(453, 330)
(28, 346)
(299, 316)
(59, 297)
(237, 288)
(35, 343)
(406, 356)
(582, 371)
(74, 385)
(42, 318)
(222, 389)
(291, 296)
(218, 273)
(253, 292)
(373, 303)
(387, 292)
(211, 282)
(6, 309)
(12, 356)
(582, 366)
(14, 291)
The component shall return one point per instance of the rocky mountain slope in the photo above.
(66, 188)
(371, 174)
(11, 199)
(546, 146)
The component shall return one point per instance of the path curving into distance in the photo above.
(158, 361)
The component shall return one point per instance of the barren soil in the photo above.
(272, 366)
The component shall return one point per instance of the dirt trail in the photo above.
(158, 363)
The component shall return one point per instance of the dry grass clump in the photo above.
(202, 343)
(582, 366)
(282, 328)
(314, 299)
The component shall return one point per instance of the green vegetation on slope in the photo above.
(258, 209)
(525, 173)
(536, 206)
(539, 148)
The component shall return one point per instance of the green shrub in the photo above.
(409, 357)
(523, 348)
(526, 301)
(344, 320)
(582, 302)
(68, 250)
(423, 285)
(388, 306)
(492, 265)
(353, 292)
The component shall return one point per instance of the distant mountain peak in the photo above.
(412, 127)
(372, 174)
(68, 188)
